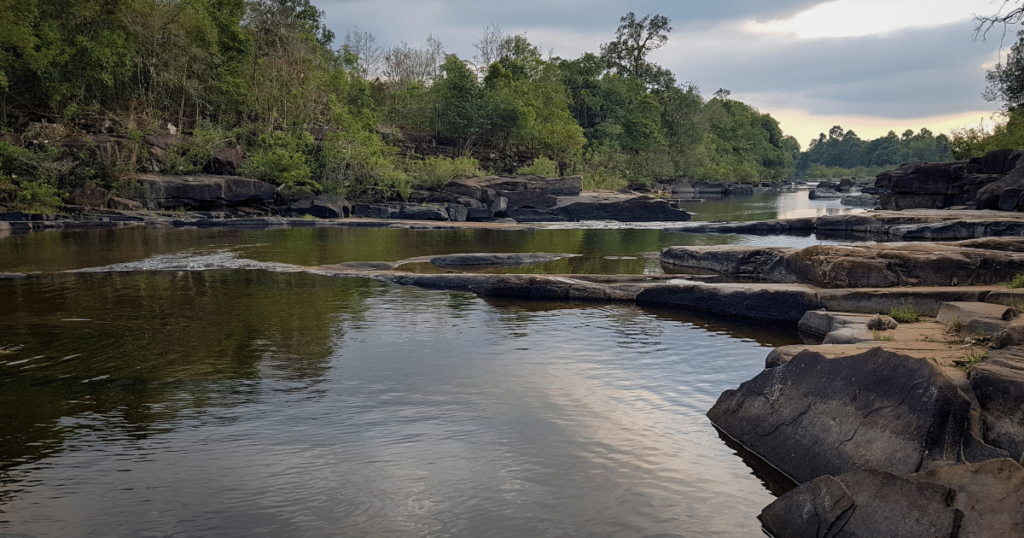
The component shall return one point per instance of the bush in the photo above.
(905, 312)
(1016, 282)
(361, 167)
(283, 159)
(603, 167)
(38, 196)
(436, 172)
(542, 166)
(192, 153)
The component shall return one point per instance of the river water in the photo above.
(205, 388)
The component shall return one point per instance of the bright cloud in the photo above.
(855, 18)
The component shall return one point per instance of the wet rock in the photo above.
(780, 302)
(411, 212)
(815, 416)
(636, 209)
(864, 504)
(90, 195)
(990, 495)
(458, 260)
(760, 263)
(761, 227)
(160, 191)
(531, 215)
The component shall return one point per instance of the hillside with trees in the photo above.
(84, 83)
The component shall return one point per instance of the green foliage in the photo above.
(846, 150)
(879, 337)
(436, 172)
(1016, 282)
(282, 159)
(818, 171)
(977, 141)
(38, 196)
(603, 167)
(905, 312)
(541, 166)
(193, 152)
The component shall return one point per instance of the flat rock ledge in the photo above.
(906, 225)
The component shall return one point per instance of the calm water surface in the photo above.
(245, 401)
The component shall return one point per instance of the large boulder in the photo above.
(776, 302)
(424, 212)
(863, 504)
(322, 206)
(815, 416)
(759, 263)
(200, 190)
(477, 187)
(998, 383)
(990, 495)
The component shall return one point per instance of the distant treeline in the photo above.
(844, 154)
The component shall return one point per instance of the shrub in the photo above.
(193, 152)
(436, 172)
(1016, 282)
(38, 196)
(283, 159)
(542, 166)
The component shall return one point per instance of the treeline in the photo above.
(329, 115)
(844, 154)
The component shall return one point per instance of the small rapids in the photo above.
(192, 261)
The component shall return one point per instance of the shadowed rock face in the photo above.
(815, 416)
(999, 385)
(864, 504)
(202, 190)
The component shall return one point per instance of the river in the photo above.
(204, 388)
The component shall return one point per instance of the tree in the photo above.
(634, 41)
(1006, 80)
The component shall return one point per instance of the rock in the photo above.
(499, 205)
(881, 323)
(323, 206)
(821, 322)
(759, 227)
(411, 212)
(519, 286)
(90, 195)
(975, 317)
(779, 302)
(990, 495)
(159, 191)
(475, 187)
(473, 213)
(225, 161)
(160, 145)
(759, 263)
(529, 200)
(815, 416)
(682, 189)
(636, 209)
(460, 260)
(863, 504)
(824, 194)
(123, 204)
(998, 383)
(457, 213)
(11, 276)
(859, 200)
(531, 215)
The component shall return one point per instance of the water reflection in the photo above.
(228, 403)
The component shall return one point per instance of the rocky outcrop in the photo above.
(779, 302)
(864, 504)
(758, 227)
(853, 266)
(633, 209)
(998, 383)
(202, 191)
(990, 495)
(321, 206)
(989, 182)
(814, 416)
(90, 195)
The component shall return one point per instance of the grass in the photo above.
(1016, 282)
(905, 312)
(970, 358)
(878, 336)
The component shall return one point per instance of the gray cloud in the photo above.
(906, 74)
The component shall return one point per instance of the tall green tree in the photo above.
(634, 40)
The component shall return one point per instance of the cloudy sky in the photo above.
(867, 65)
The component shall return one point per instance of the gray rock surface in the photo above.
(459, 260)
(814, 416)
(158, 191)
(990, 495)
(864, 504)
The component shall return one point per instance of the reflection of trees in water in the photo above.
(132, 352)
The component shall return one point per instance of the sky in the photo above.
(866, 65)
